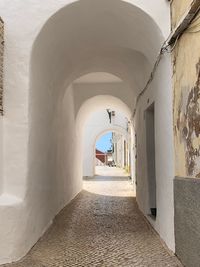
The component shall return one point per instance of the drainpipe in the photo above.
(184, 22)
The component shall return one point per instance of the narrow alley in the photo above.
(102, 226)
(99, 133)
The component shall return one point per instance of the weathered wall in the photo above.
(186, 64)
(160, 92)
(186, 79)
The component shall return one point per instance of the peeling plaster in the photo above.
(188, 125)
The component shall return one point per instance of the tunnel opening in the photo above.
(111, 148)
(97, 123)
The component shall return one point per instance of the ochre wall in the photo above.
(186, 79)
(1, 63)
(179, 7)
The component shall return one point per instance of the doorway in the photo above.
(150, 150)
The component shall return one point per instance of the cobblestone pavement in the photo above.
(103, 227)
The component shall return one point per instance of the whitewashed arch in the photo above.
(88, 108)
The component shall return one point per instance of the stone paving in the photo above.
(101, 227)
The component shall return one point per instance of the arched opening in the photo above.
(125, 44)
(112, 154)
(98, 115)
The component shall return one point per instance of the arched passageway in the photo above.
(93, 120)
(76, 64)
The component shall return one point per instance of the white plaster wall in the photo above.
(133, 154)
(119, 152)
(16, 15)
(37, 165)
(160, 92)
(84, 91)
(54, 181)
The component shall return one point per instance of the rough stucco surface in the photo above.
(187, 101)
(187, 220)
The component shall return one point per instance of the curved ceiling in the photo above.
(98, 77)
(91, 36)
(99, 103)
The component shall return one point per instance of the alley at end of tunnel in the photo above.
(103, 227)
